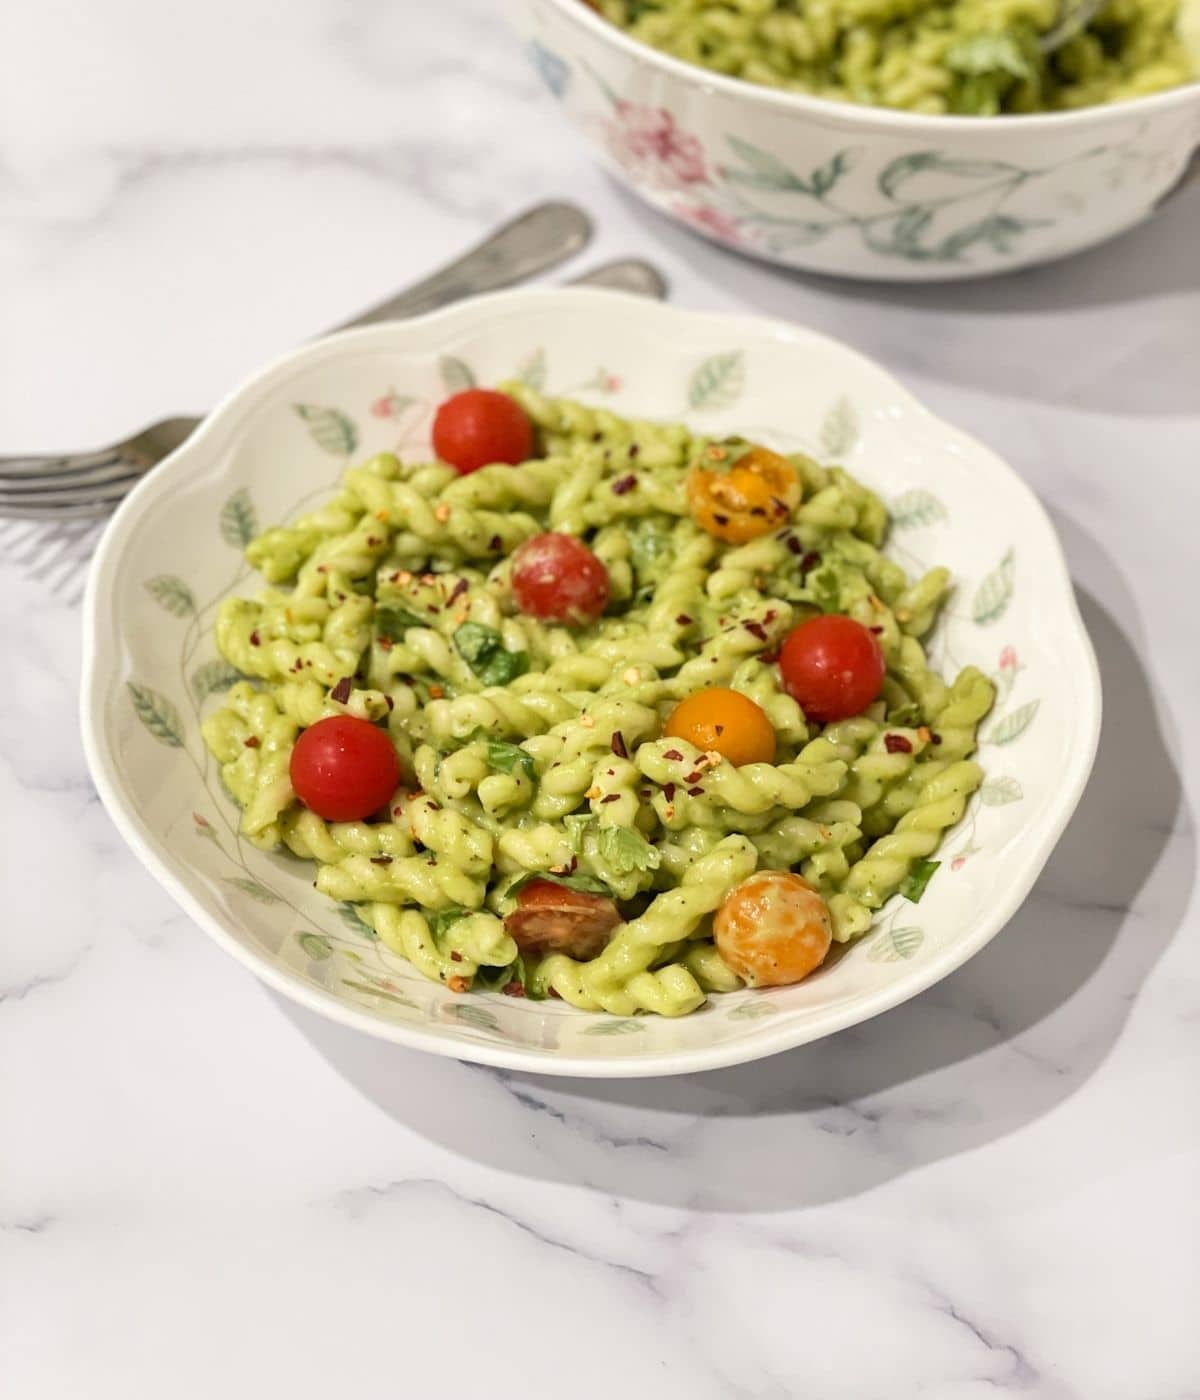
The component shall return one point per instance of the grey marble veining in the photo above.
(206, 1190)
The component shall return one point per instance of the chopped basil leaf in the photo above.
(988, 54)
(482, 648)
(393, 623)
(577, 826)
(918, 877)
(626, 851)
(444, 919)
(505, 757)
(495, 979)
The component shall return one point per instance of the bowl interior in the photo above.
(173, 552)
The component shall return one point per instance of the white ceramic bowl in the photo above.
(173, 551)
(858, 191)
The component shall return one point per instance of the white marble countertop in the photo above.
(205, 1191)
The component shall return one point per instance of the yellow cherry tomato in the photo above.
(751, 495)
(773, 929)
(726, 721)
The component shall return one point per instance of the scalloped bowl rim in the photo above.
(757, 1041)
(854, 113)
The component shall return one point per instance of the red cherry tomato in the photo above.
(343, 768)
(557, 578)
(550, 917)
(833, 666)
(481, 426)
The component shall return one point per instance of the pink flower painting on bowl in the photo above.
(652, 150)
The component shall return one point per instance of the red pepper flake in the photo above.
(770, 657)
(624, 484)
(252, 742)
(674, 755)
(756, 629)
(495, 544)
(458, 984)
(610, 797)
(794, 544)
(385, 643)
(434, 806)
(574, 866)
(718, 730)
(695, 792)
(721, 519)
(770, 616)
(683, 620)
(693, 777)
(373, 542)
(935, 738)
(341, 692)
(255, 639)
(897, 743)
(555, 993)
(455, 957)
(757, 510)
(436, 692)
(457, 591)
(669, 791)
(780, 506)
(381, 860)
(389, 702)
(618, 745)
(513, 989)
(810, 561)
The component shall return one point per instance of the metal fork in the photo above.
(80, 485)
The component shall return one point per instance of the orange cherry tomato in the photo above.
(726, 721)
(754, 494)
(773, 929)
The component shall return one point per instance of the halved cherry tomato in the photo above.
(726, 721)
(773, 928)
(551, 918)
(557, 578)
(343, 768)
(833, 666)
(755, 494)
(477, 427)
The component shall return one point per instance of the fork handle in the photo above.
(528, 245)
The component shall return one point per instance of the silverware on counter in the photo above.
(79, 485)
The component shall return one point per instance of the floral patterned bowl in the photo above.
(858, 191)
(174, 550)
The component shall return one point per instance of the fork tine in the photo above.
(68, 463)
(69, 479)
(56, 497)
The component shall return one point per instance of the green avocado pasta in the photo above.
(978, 57)
(535, 750)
